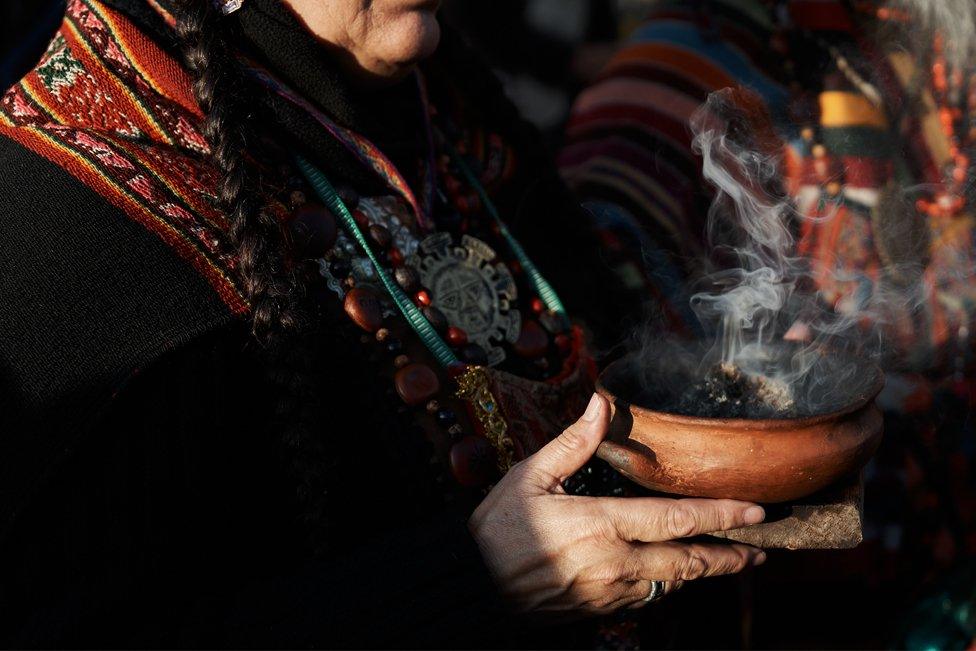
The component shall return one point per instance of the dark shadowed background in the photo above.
(25, 28)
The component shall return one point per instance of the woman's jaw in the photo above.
(375, 41)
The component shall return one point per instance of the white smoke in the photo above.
(764, 290)
(955, 20)
(747, 221)
(764, 293)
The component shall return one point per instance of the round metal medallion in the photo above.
(475, 295)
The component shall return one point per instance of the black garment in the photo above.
(153, 508)
(389, 116)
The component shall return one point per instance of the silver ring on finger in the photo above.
(656, 592)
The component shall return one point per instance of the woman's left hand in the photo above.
(550, 551)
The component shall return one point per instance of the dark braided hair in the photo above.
(270, 281)
(222, 90)
(274, 288)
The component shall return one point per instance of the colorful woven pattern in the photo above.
(115, 111)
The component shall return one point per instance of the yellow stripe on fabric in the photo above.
(134, 99)
(117, 34)
(166, 231)
(845, 109)
(58, 144)
(33, 94)
(151, 166)
(932, 133)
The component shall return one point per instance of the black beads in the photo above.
(436, 318)
(380, 234)
(340, 269)
(474, 354)
(408, 278)
(388, 342)
(446, 417)
(313, 231)
(393, 346)
(349, 196)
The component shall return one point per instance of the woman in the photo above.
(270, 263)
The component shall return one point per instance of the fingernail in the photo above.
(593, 409)
(754, 515)
(759, 558)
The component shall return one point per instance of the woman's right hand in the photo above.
(550, 551)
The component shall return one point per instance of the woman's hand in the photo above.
(550, 551)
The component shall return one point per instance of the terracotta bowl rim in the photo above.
(799, 422)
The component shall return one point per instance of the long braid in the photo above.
(221, 89)
(273, 288)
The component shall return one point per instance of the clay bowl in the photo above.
(763, 460)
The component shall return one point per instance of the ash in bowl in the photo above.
(784, 382)
(727, 392)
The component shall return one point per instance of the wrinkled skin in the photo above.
(554, 552)
(376, 41)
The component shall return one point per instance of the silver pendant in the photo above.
(228, 7)
(472, 292)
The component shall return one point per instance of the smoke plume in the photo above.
(761, 305)
(760, 310)
(954, 20)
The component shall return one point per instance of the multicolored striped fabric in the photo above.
(114, 110)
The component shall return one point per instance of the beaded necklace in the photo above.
(416, 383)
(949, 90)
(430, 325)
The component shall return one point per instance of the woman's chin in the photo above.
(415, 39)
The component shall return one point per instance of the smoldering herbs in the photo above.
(727, 392)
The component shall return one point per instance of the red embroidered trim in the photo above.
(116, 112)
